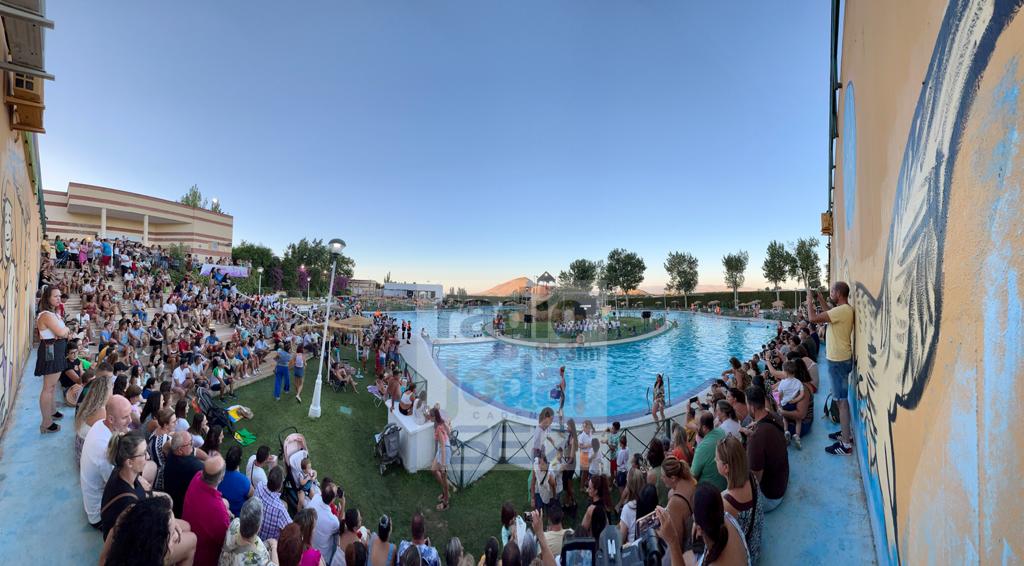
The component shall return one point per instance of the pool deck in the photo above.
(599, 344)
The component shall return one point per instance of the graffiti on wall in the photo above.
(18, 264)
(899, 323)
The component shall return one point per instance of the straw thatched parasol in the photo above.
(353, 322)
(778, 304)
(714, 303)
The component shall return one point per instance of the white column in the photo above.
(103, 222)
(145, 229)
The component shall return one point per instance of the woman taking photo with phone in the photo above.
(51, 357)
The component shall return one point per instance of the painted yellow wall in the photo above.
(19, 263)
(928, 232)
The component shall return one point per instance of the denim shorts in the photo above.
(839, 375)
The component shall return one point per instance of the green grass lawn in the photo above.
(342, 448)
(545, 331)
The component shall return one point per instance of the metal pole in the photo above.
(314, 407)
(259, 290)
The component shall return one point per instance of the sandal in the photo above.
(442, 506)
(54, 427)
(58, 415)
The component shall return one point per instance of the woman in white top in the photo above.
(51, 359)
(725, 414)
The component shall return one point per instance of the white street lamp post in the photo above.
(259, 286)
(336, 246)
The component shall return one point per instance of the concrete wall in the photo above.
(76, 214)
(928, 221)
(19, 262)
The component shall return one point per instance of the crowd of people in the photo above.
(721, 468)
(162, 488)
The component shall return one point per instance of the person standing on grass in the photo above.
(298, 371)
(839, 353)
(281, 371)
(442, 457)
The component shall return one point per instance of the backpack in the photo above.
(831, 409)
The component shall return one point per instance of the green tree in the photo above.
(805, 264)
(256, 255)
(735, 266)
(312, 259)
(624, 270)
(194, 198)
(682, 273)
(776, 265)
(215, 206)
(581, 275)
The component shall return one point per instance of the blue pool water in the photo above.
(612, 381)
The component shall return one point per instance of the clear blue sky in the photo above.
(464, 142)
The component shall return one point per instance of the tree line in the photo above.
(623, 270)
(304, 268)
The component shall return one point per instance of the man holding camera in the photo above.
(839, 352)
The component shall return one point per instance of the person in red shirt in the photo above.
(207, 511)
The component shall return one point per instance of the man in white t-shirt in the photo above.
(95, 468)
(182, 374)
(328, 525)
(254, 468)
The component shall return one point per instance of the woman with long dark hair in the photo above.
(442, 457)
(51, 359)
(659, 398)
(722, 536)
(569, 461)
(148, 535)
(596, 517)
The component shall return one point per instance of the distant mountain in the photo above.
(506, 289)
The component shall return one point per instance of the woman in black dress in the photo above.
(51, 359)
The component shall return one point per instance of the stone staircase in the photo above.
(73, 306)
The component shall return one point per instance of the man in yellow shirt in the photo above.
(839, 353)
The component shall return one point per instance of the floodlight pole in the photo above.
(314, 408)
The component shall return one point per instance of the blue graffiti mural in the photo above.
(901, 319)
(849, 155)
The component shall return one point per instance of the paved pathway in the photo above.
(824, 516)
(42, 519)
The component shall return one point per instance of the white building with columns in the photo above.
(90, 211)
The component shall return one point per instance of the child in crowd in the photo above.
(597, 460)
(789, 392)
(614, 433)
(586, 451)
(308, 477)
(621, 462)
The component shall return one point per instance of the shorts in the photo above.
(839, 375)
(538, 502)
(105, 260)
(620, 479)
(567, 477)
(299, 372)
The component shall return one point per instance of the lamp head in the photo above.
(336, 246)
(259, 269)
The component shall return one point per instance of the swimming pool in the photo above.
(602, 382)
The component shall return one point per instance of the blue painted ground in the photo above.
(42, 520)
(822, 520)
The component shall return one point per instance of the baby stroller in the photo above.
(291, 441)
(386, 447)
(215, 414)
